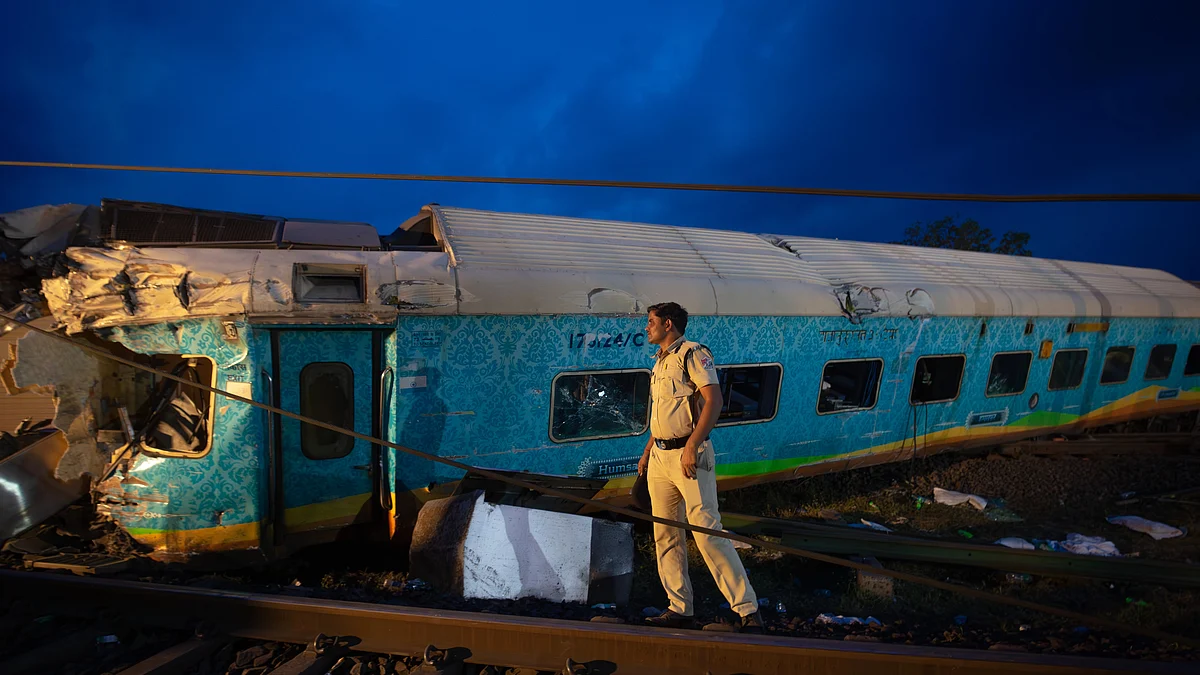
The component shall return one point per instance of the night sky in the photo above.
(937, 96)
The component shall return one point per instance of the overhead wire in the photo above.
(629, 513)
(632, 185)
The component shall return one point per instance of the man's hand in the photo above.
(687, 459)
(644, 464)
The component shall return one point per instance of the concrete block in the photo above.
(467, 546)
(874, 584)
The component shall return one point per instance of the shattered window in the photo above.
(1192, 367)
(1161, 359)
(1067, 371)
(1009, 373)
(600, 405)
(177, 417)
(326, 395)
(849, 385)
(937, 378)
(749, 393)
(1117, 362)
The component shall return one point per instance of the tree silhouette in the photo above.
(968, 235)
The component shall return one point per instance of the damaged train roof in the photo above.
(131, 262)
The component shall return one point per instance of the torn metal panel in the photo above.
(463, 544)
(111, 287)
(48, 228)
(74, 377)
(30, 491)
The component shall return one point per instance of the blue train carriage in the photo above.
(516, 342)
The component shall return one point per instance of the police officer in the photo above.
(680, 472)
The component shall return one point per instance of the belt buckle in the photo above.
(660, 444)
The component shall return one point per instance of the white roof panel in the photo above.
(782, 275)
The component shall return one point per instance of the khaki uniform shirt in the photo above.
(676, 397)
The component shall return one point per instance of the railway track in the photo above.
(193, 625)
(847, 541)
(1108, 444)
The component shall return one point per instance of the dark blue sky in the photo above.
(1005, 97)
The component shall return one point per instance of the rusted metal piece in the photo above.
(177, 658)
(79, 563)
(525, 642)
(318, 658)
(848, 541)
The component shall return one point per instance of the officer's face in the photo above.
(656, 328)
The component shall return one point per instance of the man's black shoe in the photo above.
(669, 619)
(751, 623)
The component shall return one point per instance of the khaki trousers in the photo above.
(671, 496)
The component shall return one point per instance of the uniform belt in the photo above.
(672, 443)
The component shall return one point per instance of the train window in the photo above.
(849, 385)
(1162, 357)
(1010, 372)
(937, 379)
(1192, 367)
(602, 404)
(1067, 371)
(1117, 362)
(749, 393)
(327, 395)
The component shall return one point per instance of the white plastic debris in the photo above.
(869, 525)
(952, 498)
(738, 544)
(1015, 542)
(1080, 545)
(839, 620)
(1150, 527)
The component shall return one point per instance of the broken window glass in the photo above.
(326, 395)
(937, 378)
(600, 405)
(178, 415)
(849, 385)
(748, 393)
(1162, 357)
(1117, 362)
(1067, 370)
(1009, 373)
(1192, 367)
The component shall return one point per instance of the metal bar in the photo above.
(848, 541)
(525, 642)
(177, 658)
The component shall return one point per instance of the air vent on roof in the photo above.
(142, 223)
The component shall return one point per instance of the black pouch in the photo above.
(641, 493)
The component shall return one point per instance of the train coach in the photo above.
(516, 343)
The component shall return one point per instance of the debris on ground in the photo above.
(1016, 542)
(1083, 545)
(869, 525)
(1153, 528)
(839, 620)
(952, 498)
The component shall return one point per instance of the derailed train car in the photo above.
(515, 342)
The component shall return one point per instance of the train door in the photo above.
(326, 481)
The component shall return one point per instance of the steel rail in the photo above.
(1083, 619)
(526, 642)
(637, 185)
(847, 541)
